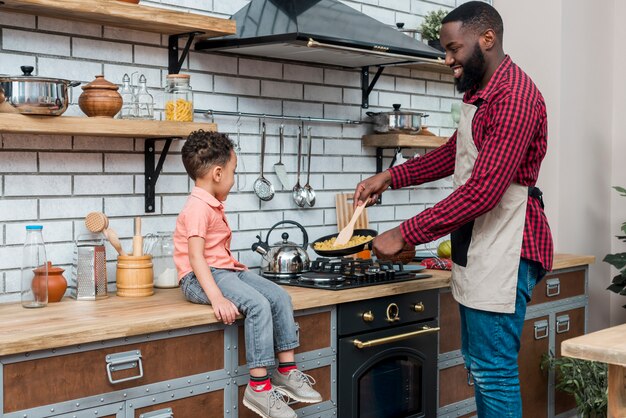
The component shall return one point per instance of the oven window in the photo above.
(391, 388)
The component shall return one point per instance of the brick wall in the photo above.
(56, 180)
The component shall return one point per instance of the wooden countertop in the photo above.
(607, 345)
(76, 322)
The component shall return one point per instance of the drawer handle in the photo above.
(562, 324)
(123, 361)
(161, 413)
(553, 287)
(541, 329)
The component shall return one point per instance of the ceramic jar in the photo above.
(56, 282)
(100, 98)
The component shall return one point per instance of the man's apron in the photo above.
(486, 252)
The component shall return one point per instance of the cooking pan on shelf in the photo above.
(344, 251)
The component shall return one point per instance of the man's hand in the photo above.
(371, 188)
(224, 310)
(388, 244)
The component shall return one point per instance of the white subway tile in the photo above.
(341, 181)
(115, 74)
(439, 89)
(53, 231)
(201, 82)
(101, 50)
(259, 220)
(379, 213)
(103, 185)
(303, 73)
(149, 55)
(359, 164)
(389, 99)
(70, 162)
(18, 209)
(342, 78)
(426, 194)
(172, 184)
(260, 69)
(228, 7)
(281, 90)
(103, 144)
(20, 20)
(313, 110)
(124, 163)
(425, 103)
(18, 162)
(382, 15)
(173, 204)
(342, 147)
(244, 240)
(66, 26)
(68, 69)
(35, 43)
(408, 85)
(352, 96)
(212, 63)
(10, 254)
(253, 105)
(404, 212)
(396, 196)
(402, 5)
(10, 63)
(233, 85)
(37, 185)
(125, 206)
(215, 102)
(129, 35)
(12, 284)
(322, 94)
(342, 112)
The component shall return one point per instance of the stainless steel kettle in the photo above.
(283, 259)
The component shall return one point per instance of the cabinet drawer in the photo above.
(558, 285)
(449, 322)
(209, 404)
(323, 384)
(569, 324)
(453, 385)
(43, 381)
(314, 334)
(533, 381)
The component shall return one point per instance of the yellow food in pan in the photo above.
(180, 110)
(327, 245)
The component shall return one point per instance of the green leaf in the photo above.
(621, 190)
(617, 260)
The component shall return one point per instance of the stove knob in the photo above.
(418, 307)
(368, 316)
(393, 313)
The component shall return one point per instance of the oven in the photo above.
(387, 352)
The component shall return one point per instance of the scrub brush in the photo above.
(98, 222)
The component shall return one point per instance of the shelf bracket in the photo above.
(366, 86)
(152, 172)
(174, 63)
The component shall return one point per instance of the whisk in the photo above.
(98, 222)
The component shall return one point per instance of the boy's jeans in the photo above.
(269, 325)
(490, 344)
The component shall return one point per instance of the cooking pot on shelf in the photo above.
(283, 259)
(397, 121)
(33, 95)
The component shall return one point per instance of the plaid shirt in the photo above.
(510, 132)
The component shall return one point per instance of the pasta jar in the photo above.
(178, 98)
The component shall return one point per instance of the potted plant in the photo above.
(618, 260)
(586, 380)
(430, 27)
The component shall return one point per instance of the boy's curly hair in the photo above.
(202, 150)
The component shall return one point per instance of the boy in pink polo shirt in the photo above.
(208, 274)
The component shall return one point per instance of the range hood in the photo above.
(318, 31)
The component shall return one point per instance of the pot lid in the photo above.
(27, 76)
(51, 269)
(100, 83)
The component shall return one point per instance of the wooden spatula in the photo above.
(346, 233)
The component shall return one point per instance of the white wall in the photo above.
(570, 49)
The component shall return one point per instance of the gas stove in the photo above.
(348, 273)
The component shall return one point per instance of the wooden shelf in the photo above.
(124, 15)
(403, 141)
(73, 125)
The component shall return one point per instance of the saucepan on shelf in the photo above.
(32, 95)
(397, 121)
(360, 239)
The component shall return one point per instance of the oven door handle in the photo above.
(379, 341)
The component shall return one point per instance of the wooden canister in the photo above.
(134, 276)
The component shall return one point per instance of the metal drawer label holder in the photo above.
(562, 324)
(123, 361)
(541, 329)
(161, 413)
(553, 287)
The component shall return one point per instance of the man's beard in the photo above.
(473, 71)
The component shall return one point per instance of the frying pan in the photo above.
(343, 251)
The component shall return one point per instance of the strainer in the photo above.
(262, 187)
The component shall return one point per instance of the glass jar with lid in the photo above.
(165, 275)
(178, 98)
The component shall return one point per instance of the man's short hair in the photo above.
(477, 16)
(203, 149)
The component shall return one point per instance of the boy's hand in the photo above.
(225, 310)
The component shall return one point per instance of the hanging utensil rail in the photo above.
(210, 113)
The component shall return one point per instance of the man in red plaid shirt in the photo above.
(501, 241)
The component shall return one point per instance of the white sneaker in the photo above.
(296, 385)
(268, 403)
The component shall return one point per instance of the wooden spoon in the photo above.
(346, 233)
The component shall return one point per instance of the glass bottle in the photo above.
(128, 100)
(144, 101)
(34, 272)
(178, 98)
(163, 261)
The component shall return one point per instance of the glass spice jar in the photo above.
(178, 98)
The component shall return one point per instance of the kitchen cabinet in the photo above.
(557, 311)
(186, 371)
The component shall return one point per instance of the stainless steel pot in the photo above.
(397, 121)
(35, 95)
(283, 259)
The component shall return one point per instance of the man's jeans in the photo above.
(490, 344)
(269, 326)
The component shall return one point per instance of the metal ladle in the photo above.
(309, 192)
(298, 193)
(262, 186)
